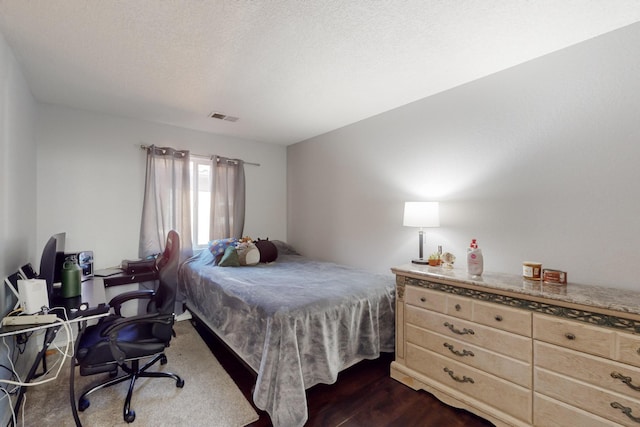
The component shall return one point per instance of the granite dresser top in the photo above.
(621, 300)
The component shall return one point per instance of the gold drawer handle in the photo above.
(625, 410)
(625, 379)
(457, 307)
(464, 379)
(423, 299)
(570, 336)
(464, 331)
(458, 352)
(498, 318)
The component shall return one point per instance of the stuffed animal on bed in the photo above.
(248, 253)
(268, 251)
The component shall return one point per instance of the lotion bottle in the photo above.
(474, 259)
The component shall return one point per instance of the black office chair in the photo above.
(122, 342)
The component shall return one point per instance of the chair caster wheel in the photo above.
(130, 416)
(83, 404)
(163, 360)
(180, 383)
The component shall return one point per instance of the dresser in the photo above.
(516, 352)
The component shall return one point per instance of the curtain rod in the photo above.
(146, 147)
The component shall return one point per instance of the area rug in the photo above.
(209, 397)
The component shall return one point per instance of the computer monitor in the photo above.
(52, 253)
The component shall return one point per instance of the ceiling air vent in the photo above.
(221, 116)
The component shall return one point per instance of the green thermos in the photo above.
(71, 278)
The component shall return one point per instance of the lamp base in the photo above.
(420, 261)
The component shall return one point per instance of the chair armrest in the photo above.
(117, 301)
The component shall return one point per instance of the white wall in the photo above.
(91, 179)
(17, 192)
(17, 168)
(538, 162)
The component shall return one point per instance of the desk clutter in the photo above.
(40, 305)
(61, 274)
(59, 283)
(33, 296)
(61, 278)
(59, 298)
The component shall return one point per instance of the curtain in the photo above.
(167, 201)
(227, 198)
(166, 206)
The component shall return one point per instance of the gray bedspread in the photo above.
(295, 321)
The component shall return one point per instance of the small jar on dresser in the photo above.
(516, 352)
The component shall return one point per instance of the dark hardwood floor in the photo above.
(364, 395)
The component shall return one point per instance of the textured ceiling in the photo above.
(289, 69)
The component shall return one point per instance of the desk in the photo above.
(92, 293)
(125, 279)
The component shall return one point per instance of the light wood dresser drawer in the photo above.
(459, 307)
(505, 343)
(552, 413)
(505, 367)
(575, 335)
(506, 318)
(614, 376)
(498, 393)
(424, 298)
(602, 402)
(628, 348)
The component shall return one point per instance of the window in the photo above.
(228, 199)
(200, 169)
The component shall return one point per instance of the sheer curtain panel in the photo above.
(167, 201)
(227, 198)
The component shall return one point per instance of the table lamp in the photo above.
(421, 214)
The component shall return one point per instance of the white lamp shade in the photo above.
(421, 214)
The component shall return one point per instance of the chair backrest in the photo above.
(167, 264)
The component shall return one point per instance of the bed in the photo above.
(296, 322)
